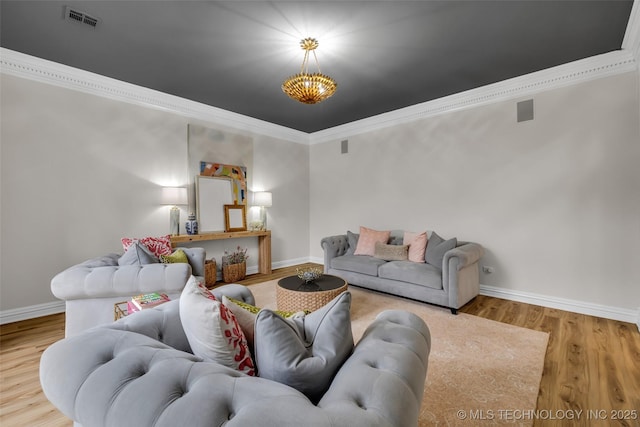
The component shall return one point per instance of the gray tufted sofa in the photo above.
(452, 284)
(90, 289)
(139, 371)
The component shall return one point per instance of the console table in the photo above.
(264, 243)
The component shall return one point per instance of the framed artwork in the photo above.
(235, 218)
(237, 175)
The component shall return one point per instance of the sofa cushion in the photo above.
(137, 254)
(212, 330)
(307, 357)
(417, 245)
(437, 247)
(391, 252)
(157, 245)
(412, 272)
(396, 237)
(358, 264)
(367, 240)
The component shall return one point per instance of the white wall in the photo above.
(555, 201)
(81, 171)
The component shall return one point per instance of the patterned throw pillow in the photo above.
(391, 252)
(212, 330)
(246, 315)
(157, 245)
(417, 245)
(367, 240)
(175, 258)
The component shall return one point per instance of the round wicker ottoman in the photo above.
(293, 294)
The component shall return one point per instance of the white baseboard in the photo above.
(291, 262)
(31, 312)
(574, 306)
(316, 260)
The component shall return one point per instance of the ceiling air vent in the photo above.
(81, 17)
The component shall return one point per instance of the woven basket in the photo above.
(210, 273)
(234, 272)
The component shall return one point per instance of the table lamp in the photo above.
(174, 196)
(264, 200)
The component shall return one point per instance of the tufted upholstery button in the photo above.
(137, 367)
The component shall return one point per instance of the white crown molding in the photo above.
(631, 41)
(584, 70)
(44, 71)
(612, 63)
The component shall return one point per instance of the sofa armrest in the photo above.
(466, 254)
(196, 258)
(390, 359)
(162, 323)
(333, 246)
(85, 281)
(110, 377)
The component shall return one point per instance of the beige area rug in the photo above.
(480, 373)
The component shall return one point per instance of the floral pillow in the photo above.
(212, 330)
(157, 245)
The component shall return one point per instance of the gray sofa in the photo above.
(139, 371)
(90, 289)
(451, 284)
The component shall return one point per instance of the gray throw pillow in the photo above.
(436, 248)
(305, 354)
(352, 238)
(137, 254)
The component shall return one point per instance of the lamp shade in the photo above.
(262, 198)
(174, 196)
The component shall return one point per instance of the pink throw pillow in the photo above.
(157, 245)
(417, 245)
(367, 241)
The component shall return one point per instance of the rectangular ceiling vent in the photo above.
(81, 17)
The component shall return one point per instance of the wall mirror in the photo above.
(212, 194)
(235, 218)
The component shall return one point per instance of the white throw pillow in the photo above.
(212, 329)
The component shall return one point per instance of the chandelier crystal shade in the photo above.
(309, 88)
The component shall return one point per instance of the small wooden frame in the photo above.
(235, 218)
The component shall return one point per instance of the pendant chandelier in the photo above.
(306, 87)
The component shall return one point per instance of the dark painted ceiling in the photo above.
(384, 55)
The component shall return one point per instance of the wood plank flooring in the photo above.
(591, 365)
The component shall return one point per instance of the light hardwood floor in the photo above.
(592, 364)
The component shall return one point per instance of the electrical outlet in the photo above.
(487, 269)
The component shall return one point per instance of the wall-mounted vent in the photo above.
(81, 17)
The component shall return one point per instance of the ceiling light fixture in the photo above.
(305, 87)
